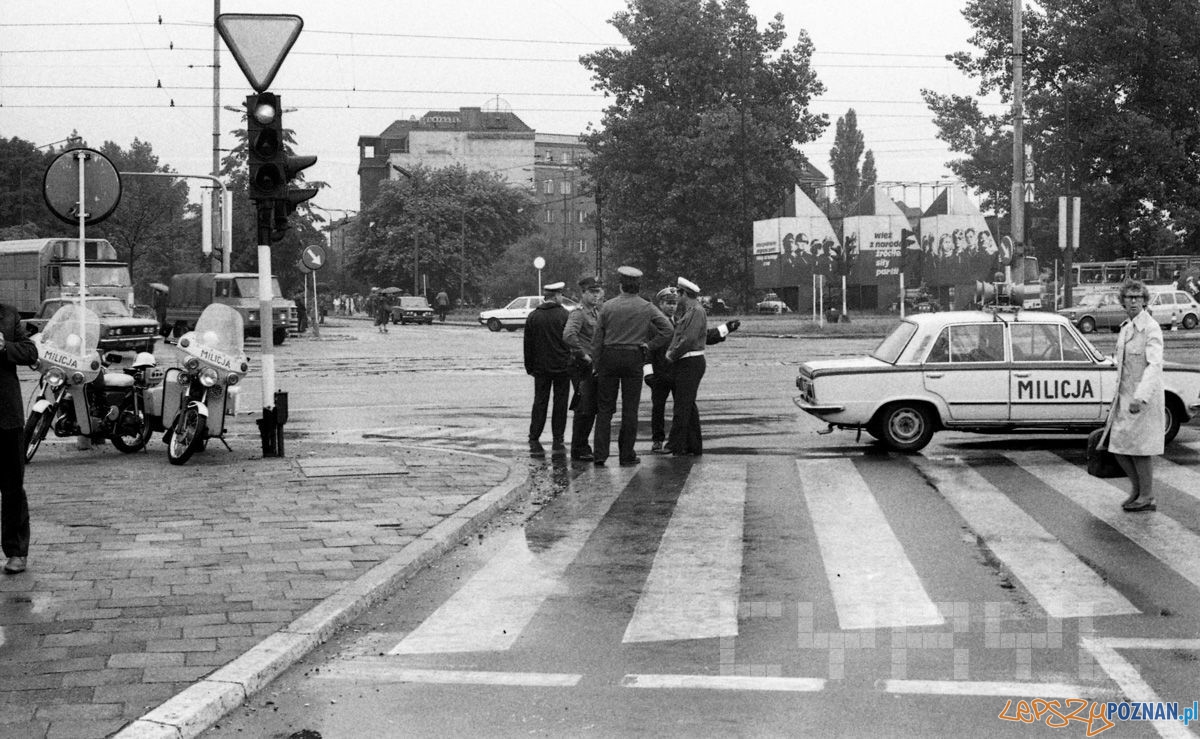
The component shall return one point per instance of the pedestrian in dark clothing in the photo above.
(581, 327)
(442, 303)
(686, 354)
(382, 310)
(15, 349)
(628, 328)
(548, 360)
(301, 313)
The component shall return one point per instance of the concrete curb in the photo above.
(195, 709)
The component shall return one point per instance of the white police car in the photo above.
(986, 371)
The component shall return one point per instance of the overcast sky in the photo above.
(96, 67)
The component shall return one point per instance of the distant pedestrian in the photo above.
(301, 312)
(686, 355)
(1138, 412)
(628, 328)
(581, 327)
(442, 303)
(16, 349)
(548, 360)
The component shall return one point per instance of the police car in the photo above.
(998, 370)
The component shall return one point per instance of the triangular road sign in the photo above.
(259, 43)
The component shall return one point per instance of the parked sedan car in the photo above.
(512, 316)
(119, 329)
(1104, 310)
(412, 309)
(978, 371)
(771, 304)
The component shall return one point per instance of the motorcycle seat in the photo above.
(112, 379)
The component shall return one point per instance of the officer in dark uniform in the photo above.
(16, 350)
(627, 328)
(548, 360)
(581, 327)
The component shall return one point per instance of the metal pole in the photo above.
(81, 157)
(316, 308)
(1018, 152)
(216, 120)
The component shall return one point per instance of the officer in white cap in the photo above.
(686, 355)
(627, 328)
(548, 360)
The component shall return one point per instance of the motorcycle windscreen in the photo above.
(70, 339)
(220, 327)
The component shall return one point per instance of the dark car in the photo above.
(713, 306)
(412, 309)
(120, 330)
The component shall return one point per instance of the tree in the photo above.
(701, 137)
(23, 213)
(513, 274)
(462, 221)
(1109, 102)
(849, 182)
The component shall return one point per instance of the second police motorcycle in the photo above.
(78, 396)
(215, 363)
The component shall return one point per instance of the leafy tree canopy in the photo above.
(701, 136)
(461, 221)
(1110, 100)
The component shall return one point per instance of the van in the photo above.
(189, 294)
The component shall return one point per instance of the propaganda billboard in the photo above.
(956, 246)
(789, 250)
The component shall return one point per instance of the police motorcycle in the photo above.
(214, 365)
(76, 396)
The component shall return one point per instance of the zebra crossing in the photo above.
(676, 534)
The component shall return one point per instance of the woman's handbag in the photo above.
(1100, 461)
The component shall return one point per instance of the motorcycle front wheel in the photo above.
(36, 427)
(133, 429)
(187, 434)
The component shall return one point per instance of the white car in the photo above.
(987, 371)
(772, 304)
(513, 315)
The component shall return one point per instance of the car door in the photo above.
(966, 368)
(1052, 377)
(1110, 313)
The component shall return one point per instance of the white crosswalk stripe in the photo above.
(874, 584)
(694, 580)
(692, 590)
(490, 611)
(1063, 585)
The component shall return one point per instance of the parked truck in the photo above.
(34, 270)
(191, 293)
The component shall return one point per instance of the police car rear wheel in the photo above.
(906, 427)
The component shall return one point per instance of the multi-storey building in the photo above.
(494, 141)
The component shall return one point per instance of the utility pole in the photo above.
(1018, 152)
(218, 201)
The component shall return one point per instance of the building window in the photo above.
(582, 216)
(368, 152)
(548, 187)
(549, 216)
(566, 187)
(582, 245)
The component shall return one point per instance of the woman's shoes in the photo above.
(1135, 507)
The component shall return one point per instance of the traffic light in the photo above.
(264, 134)
(292, 196)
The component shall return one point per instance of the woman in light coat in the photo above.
(1138, 415)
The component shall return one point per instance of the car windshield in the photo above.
(889, 349)
(247, 287)
(102, 307)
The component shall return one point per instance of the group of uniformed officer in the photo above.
(601, 350)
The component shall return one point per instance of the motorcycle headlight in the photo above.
(55, 377)
(192, 364)
(209, 377)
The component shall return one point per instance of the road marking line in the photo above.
(1130, 681)
(725, 682)
(986, 687)
(693, 586)
(1173, 544)
(489, 612)
(383, 670)
(1183, 479)
(1063, 585)
(874, 585)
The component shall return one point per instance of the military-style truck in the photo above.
(189, 294)
(34, 270)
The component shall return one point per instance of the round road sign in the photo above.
(313, 256)
(538, 263)
(101, 186)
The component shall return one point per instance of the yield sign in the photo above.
(259, 43)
